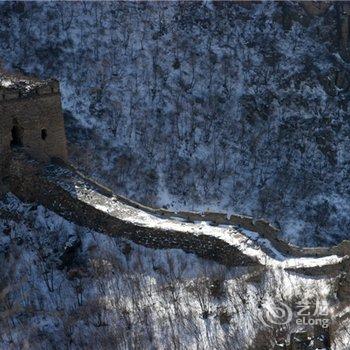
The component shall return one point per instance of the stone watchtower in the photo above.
(31, 118)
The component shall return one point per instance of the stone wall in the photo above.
(41, 110)
(48, 88)
(262, 227)
(27, 182)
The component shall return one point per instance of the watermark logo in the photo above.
(311, 314)
(306, 314)
(277, 313)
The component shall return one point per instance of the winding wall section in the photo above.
(65, 191)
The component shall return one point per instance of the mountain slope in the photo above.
(64, 286)
(201, 105)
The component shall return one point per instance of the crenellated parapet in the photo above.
(20, 90)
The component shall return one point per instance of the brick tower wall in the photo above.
(33, 114)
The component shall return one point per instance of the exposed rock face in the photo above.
(69, 252)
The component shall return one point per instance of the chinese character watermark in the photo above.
(307, 314)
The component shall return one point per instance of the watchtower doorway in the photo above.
(17, 135)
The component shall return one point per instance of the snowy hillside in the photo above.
(201, 105)
(66, 287)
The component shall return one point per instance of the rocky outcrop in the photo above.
(317, 339)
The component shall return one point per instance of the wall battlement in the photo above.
(48, 88)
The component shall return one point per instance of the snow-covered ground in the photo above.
(192, 106)
(64, 286)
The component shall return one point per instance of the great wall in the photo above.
(39, 172)
(36, 172)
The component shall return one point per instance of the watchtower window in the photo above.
(43, 134)
(17, 136)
